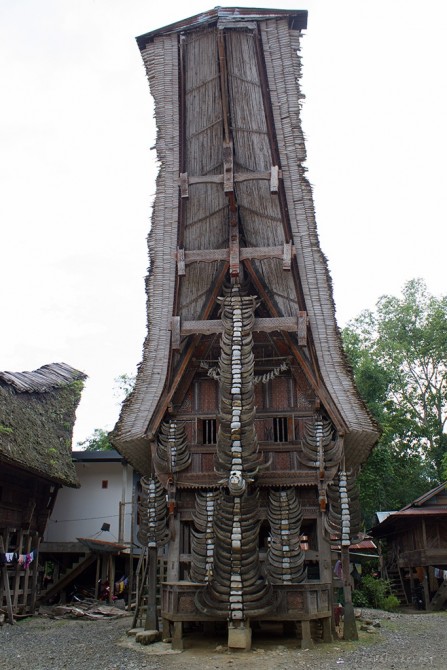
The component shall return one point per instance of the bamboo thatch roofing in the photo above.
(37, 414)
(262, 71)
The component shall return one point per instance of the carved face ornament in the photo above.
(236, 483)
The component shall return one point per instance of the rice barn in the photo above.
(244, 422)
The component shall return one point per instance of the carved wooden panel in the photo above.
(208, 398)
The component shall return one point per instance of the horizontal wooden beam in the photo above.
(286, 253)
(285, 323)
(186, 180)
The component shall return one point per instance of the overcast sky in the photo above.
(77, 173)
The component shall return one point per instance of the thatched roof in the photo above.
(37, 415)
(263, 102)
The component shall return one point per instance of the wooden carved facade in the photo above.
(244, 414)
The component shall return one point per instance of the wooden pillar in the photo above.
(35, 575)
(327, 629)
(177, 638)
(325, 566)
(6, 588)
(306, 637)
(349, 625)
(165, 630)
(151, 622)
(426, 589)
(324, 553)
(173, 568)
(97, 577)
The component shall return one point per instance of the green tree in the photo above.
(98, 441)
(398, 353)
(124, 385)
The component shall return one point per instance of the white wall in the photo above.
(81, 512)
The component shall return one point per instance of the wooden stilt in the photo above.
(306, 637)
(6, 588)
(349, 625)
(97, 577)
(166, 629)
(327, 632)
(142, 586)
(35, 575)
(151, 611)
(177, 638)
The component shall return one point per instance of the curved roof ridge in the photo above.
(50, 376)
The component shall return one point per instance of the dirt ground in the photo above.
(390, 641)
(386, 642)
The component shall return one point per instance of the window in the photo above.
(209, 431)
(105, 484)
(280, 429)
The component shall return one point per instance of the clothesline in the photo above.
(14, 558)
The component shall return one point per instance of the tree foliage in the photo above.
(98, 441)
(399, 356)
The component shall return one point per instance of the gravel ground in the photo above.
(397, 642)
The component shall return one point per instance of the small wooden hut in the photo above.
(37, 414)
(244, 415)
(414, 547)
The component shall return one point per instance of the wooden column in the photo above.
(6, 588)
(349, 625)
(325, 565)
(173, 568)
(306, 637)
(151, 622)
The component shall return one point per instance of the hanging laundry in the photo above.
(25, 559)
(338, 571)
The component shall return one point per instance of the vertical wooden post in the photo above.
(426, 589)
(151, 622)
(35, 575)
(324, 553)
(97, 578)
(306, 637)
(18, 573)
(349, 625)
(112, 559)
(131, 570)
(26, 577)
(6, 587)
(173, 569)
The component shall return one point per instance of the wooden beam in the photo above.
(228, 166)
(175, 332)
(287, 252)
(302, 329)
(186, 180)
(223, 83)
(274, 179)
(181, 270)
(312, 377)
(186, 358)
(234, 238)
(266, 325)
(184, 185)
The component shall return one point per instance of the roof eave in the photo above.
(297, 20)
